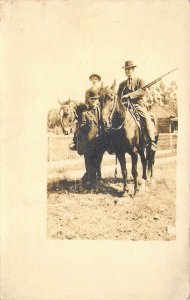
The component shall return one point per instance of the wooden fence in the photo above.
(58, 146)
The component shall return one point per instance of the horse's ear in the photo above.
(60, 103)
(113, 85)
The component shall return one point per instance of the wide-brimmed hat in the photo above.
(95, 75)
(129, 64)
(93, 95)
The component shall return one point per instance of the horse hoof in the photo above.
(125, 193)
(80, 187)
(136, 190)
(133, 193)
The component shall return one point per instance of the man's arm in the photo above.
(83, 119)
(139, 93)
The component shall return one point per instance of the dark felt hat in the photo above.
(95, 75)
(129, 64)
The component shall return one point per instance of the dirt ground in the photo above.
(150, 215)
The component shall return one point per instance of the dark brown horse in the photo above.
(88, 140)
(122, 131)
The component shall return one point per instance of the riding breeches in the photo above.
(146, 121)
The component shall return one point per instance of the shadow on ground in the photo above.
(74, 186)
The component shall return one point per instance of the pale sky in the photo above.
(58, 44)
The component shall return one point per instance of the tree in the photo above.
(162, 95)
(53, 119)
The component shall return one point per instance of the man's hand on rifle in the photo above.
(133, 95)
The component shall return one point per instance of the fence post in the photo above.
(171, 144)
(49, 148)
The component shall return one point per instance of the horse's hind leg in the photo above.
(143, 161)
(134, 157)
(150, 164)
(122, 161)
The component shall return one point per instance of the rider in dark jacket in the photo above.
(133, 86)
(91, 115)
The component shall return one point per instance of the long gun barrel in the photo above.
(157, 80)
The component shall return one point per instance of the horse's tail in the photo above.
(154, 120)
(115, 173)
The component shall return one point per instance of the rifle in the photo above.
(126, 96)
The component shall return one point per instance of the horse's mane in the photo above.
(121, 107)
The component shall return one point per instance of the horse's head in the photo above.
(108, 100)
(67, 113)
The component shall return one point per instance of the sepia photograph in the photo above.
(113, 127)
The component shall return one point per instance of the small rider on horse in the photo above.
(92, 112)
(133, 85)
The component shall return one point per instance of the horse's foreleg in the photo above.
(98, 166)
(122, 161)
(89, 179)
(134, 157)
(86, 176)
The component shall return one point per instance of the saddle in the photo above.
(134, 113)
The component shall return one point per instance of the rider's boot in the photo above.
(153, 145)
(73, 146)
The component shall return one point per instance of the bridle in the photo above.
(111, 116)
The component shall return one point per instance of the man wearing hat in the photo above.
(133, 85)
(91, 116)
(96, 87)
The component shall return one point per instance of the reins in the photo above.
(111, 117)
